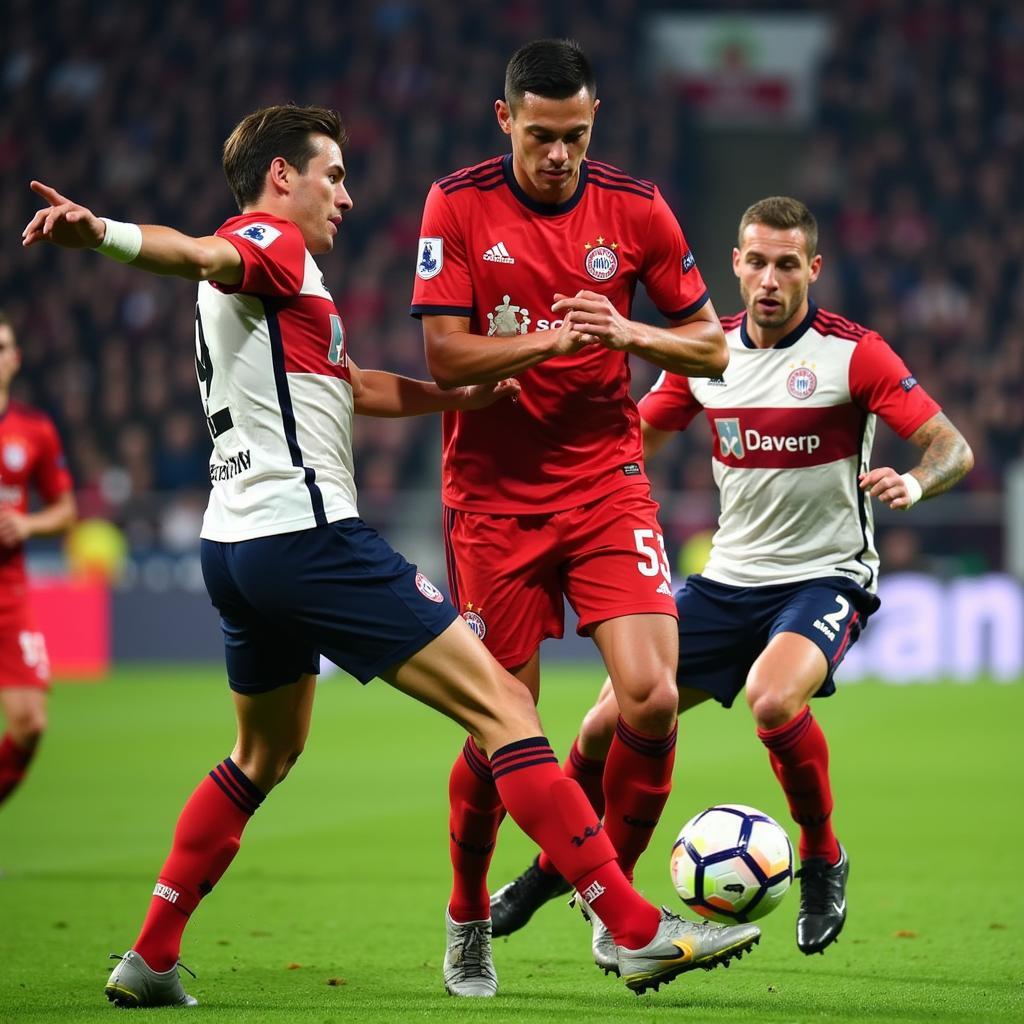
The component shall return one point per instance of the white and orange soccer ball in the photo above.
(732, 863)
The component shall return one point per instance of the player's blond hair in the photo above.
(784, 214)
(287, 131)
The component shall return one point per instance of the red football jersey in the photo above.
(492, 254)
(30, 456)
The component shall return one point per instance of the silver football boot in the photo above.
(468, 965)
(602, 942)
(679, 946)
(133, 983)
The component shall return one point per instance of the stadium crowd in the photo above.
(909, 165)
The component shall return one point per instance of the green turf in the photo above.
(333, 909)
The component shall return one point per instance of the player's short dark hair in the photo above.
(782, 213)
(553, 68)
(287, 131)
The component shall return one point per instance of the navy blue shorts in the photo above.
(338, 590)
(724, 629)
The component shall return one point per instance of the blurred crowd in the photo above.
(918, 143)
(910, 164)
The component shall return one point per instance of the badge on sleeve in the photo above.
(15, 456)
(431, 258)
(688, 261)
(262, 235)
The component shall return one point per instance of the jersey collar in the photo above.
(794, 335)
(544, 209)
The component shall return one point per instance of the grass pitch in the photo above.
(333, 909)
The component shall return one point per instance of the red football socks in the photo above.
(475, 813)
(799, 756)
(555, 814)
(589, 773)
(206, 840)
(14, 762)
(637, 782)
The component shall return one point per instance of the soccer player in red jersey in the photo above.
(294, 571)
(527, 266)
(793, 569)
(30, 457)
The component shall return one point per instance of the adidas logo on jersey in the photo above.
(664, 588)
(498, 254)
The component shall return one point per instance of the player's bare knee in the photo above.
(513, 724)
(266, 765)
(291, 755)
(287, 765)
(27, 727)
(510, 715)
(598, 728)
(772, 710)
(653, 710)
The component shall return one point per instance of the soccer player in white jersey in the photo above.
(294, 572)
(793, 569)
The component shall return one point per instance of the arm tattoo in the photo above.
(945, 458)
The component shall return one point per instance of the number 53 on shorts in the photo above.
(23, 658)
(651, 545)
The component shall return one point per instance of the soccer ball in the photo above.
(732, 863)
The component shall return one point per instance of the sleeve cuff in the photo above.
(682, 314)
(421, 311)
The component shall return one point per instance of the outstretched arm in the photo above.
(946, 457)
(161, 250)
(378, 393)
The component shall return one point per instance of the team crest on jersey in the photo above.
(427, 589)
(601, 261)
(730, 439)
(802, 382)
(475, 620)
(15, 456)
(506, 321)
(431, 258)
(262, 235)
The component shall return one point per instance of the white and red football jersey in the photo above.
(490, 253)
(276, 388)
(792, 428)
(31, 457)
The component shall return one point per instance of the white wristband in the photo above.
(121, 241)
(913, 486)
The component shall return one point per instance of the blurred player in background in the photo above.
(527, 266)
(295, 572)
(31, 457)
(793, 569)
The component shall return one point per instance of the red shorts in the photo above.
(508, 573)
(23, 658)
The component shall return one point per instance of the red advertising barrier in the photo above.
(74, 616)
